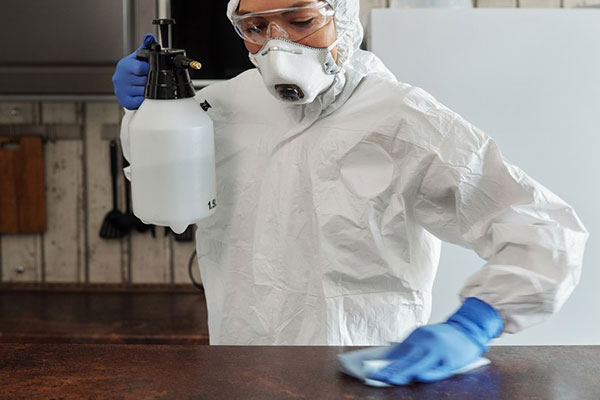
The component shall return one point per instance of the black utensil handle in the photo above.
(113, 171)
(127, 187)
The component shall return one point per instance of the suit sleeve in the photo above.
(531, 240)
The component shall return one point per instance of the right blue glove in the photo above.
(435, 352)
(130, 77)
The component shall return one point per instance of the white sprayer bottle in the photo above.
(172, 143)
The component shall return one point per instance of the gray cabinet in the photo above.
(68, 46)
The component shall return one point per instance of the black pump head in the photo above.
(168, 78)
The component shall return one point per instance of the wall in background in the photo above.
(534, 88)
(78, 194)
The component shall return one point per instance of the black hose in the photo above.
(190, 266)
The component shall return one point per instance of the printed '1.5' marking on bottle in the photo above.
(212, 204)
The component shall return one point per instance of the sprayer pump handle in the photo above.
(163, 25)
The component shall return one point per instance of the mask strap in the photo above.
(330, 66)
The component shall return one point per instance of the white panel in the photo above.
(367, 5)
(535, 88)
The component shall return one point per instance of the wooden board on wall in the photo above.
(20, 255)
(64, 240)
(22, 192)
(107, 261)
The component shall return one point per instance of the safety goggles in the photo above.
(293, 23)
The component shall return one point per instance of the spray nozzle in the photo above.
(185, 62)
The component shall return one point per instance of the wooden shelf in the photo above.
(143, 317)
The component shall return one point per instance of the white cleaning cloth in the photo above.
(361, 363)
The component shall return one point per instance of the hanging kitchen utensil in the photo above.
(22, 191)
(110, 226)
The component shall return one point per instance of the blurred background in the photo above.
(58, 113)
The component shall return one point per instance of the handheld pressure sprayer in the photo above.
(172, 143)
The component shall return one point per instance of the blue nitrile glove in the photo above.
(434, 352)
(130, 77)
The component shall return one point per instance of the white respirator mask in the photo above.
(294, 72)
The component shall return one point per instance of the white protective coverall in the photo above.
(330, 215)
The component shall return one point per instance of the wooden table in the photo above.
(71, 371)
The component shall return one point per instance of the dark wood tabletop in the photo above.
(81, 371)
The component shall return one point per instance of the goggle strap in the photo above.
(332, 45)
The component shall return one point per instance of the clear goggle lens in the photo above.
(295, 23)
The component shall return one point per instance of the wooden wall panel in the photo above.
(64, 241)
(63, 251)
(496, 3)
(580, 3)
(22, 258)
(150, 258)
(19, 112)
(539, 3)
(62, 113)
(106, 263)
(182, 252)
(20, 255)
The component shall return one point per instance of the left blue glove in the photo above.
(130, 77)
(434, 352)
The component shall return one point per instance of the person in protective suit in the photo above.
(336, 184)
